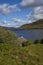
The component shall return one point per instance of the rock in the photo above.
(21, 40)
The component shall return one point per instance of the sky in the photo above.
(14, 13)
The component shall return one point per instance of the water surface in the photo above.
(31, 34)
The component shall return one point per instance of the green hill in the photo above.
(35, 25)
(31, 53)
(7, 36)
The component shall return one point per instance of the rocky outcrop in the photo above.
(21, 40)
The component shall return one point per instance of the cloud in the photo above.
(30, 3)
(18, 20)
(6, 8)
(36, 14)
(3, 22)
(10, 23)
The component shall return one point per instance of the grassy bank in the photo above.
(15, 55)
(11, 53)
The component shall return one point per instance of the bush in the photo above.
(41, 41)
(26, 43)
(36, 41)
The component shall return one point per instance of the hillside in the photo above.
(7, 36)
(35, 25)
(11, 53)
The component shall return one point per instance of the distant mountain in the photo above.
(35, 25)
(9, 28)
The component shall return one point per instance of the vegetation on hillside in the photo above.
(7, 36)
(35, 25)
(31, 52)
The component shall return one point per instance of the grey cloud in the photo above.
(36, 14)
(30, 3)
(6, 8)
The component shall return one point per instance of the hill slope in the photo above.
(7, 36)
(38, 24)
(28, 55)
(31, 53)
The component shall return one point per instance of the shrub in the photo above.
(26, 43)
(36, 41)
(41, 41)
